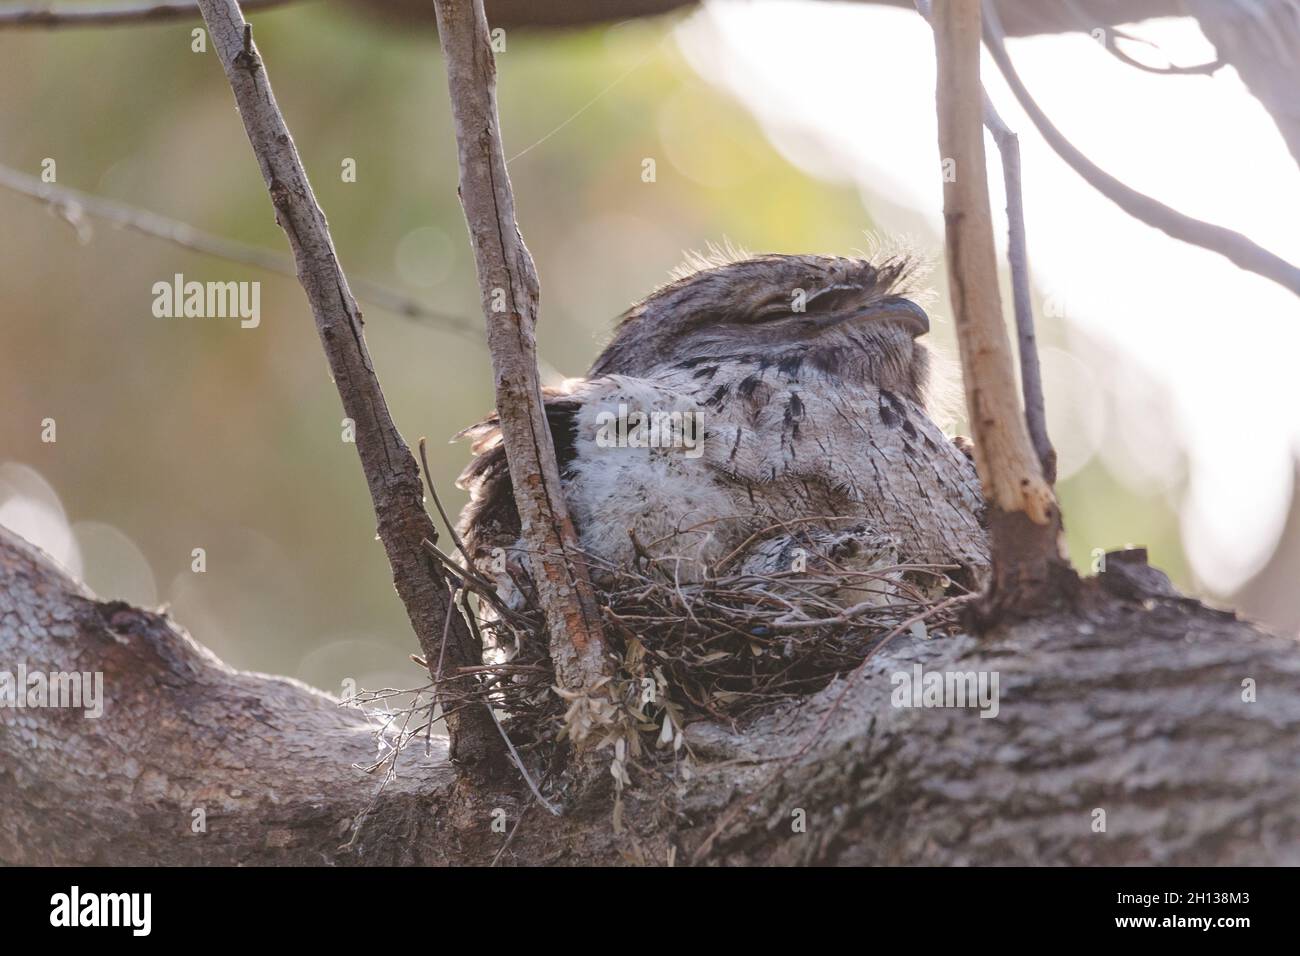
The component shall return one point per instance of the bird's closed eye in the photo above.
(817, 301)
(836, 297)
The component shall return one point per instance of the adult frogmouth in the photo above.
(775, 405)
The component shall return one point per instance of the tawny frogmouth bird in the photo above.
(801, 389)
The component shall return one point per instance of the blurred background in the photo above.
(1171, 384)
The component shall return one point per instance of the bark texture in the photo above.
(1130, 702)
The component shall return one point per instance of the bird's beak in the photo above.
(896, 308)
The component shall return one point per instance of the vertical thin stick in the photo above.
(1031, 379)
(508, 282)
(1024, 519)
(391, 472)
(1031, 376)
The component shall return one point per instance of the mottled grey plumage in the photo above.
(810, 385)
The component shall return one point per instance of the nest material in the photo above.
(721, 647)
(735, 643)
(725, 646)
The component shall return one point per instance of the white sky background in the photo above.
(846, 92)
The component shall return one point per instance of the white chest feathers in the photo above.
(702, 461)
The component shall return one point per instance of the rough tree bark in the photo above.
(1023, 516)
(509, 287)
(391, 473)
(1130, 703)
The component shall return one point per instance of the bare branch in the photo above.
(509, 286)
(391, 471)
(72, 203)
(1031, 377)
(1233, 245)
(1111, 38)
(1023, 514)
(122, 13)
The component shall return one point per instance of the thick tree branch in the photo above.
(509, 287)
(191, 761)
(1131, 703)
(391, 471)
(72, 205)
(1024, 518)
